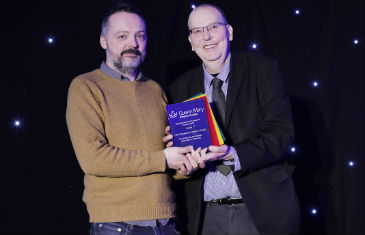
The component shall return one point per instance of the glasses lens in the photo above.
(210, 28)
(214, 27)
(197, 31)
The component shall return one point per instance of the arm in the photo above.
(275, 130)
(85, 121)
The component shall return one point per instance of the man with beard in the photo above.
(116, 119)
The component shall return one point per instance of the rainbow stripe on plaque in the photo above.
(216, 134)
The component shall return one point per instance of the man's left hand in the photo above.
(167, 139)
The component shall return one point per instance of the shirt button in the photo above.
(119, 229)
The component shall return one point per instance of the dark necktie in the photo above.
(220, 104)
(218, 98)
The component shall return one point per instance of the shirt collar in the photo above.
(114, 74)
(223, 75)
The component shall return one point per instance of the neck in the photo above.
(215, 67)
(130, 76)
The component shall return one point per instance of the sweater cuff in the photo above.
(159, 161)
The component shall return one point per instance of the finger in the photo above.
(167, 130)
(188, 166)
(215, 156)
(169, 144)
(186, 149)
(167, 138)
(203, 154)
(218, 149)
(192, 161)
(204, 151)
(228, 156)
(202, 164)
(196, 155)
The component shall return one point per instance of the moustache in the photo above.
(134, 51)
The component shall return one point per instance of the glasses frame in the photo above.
(205, 27)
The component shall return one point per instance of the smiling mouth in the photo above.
(209, 46)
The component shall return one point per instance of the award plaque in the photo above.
(189, 124)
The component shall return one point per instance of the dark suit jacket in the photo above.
(259, 126)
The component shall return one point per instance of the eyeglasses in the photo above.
(212, 28)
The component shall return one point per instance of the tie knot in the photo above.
(217, 83)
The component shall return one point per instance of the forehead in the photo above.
(203, 16)
(125, 21)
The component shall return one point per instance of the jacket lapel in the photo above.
(237, 74)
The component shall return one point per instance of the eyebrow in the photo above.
(206, 25)
(125, 31)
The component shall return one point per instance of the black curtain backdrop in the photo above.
(41, 181)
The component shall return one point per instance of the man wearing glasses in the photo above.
(245, 186)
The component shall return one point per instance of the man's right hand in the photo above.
(223, 152)
(176, 159)
(168, 137)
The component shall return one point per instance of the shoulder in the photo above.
(186, 85)
(87, 79)
(187, 77)
(196, 71)
(151, 84)
(251, 59)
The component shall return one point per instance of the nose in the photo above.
(206, 34)
(133, 42)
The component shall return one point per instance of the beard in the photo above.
(129, 66)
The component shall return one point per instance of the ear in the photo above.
(102, 42)
(189, 38)
(230, 32)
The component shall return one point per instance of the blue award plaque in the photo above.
(189, 124)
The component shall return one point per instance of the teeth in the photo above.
(209, 46)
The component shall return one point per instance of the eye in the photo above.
(214, 26)
(123, 37)
(141, 36)
(197, 31)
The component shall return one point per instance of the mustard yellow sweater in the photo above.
(116, 129)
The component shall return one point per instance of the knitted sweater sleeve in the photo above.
(96, 156)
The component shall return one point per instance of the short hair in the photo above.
(214, 6)
(118, 6)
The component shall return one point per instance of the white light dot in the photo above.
(356, 41)
(50, 40)
(254, 46)
(297, 12)
(315, 83)
(351, 163)
(314, 211)
(17, 123)
(193, 6)
(293, 149)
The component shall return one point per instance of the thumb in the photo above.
(187, 149)
(218, 149)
